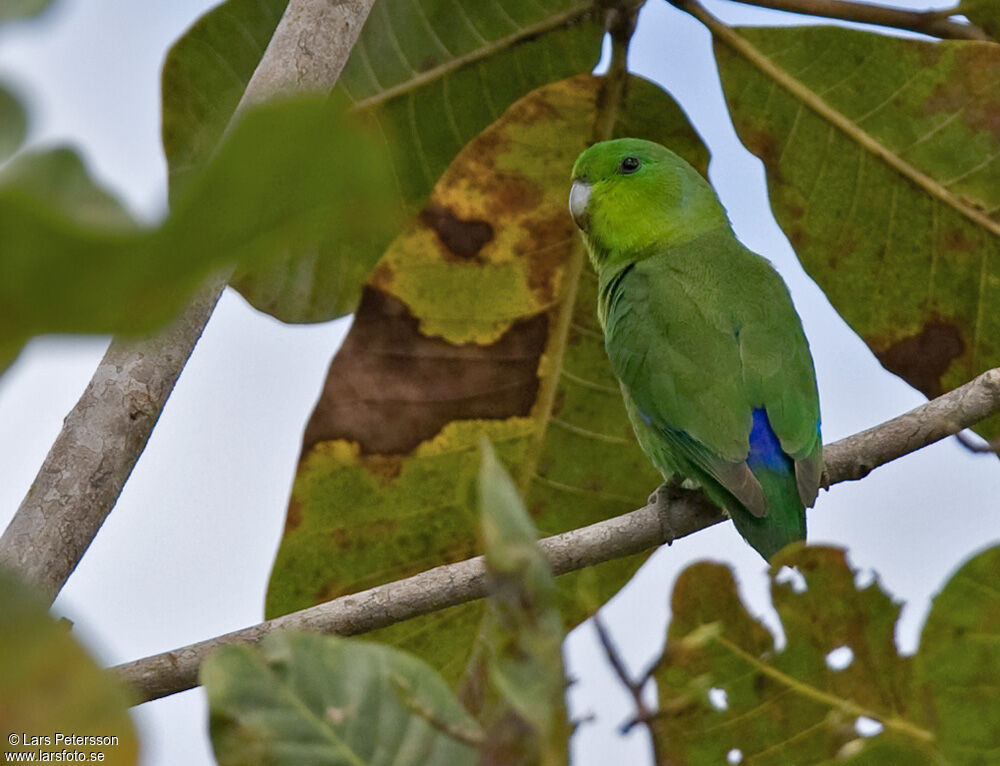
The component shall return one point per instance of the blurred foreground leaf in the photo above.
(19, 9)
(479, 320)
(724, 686)
(307, 699)
(911, 260)
(427, 75)
(49, 684)
(71, 261)
(13, 123)
(521, 664)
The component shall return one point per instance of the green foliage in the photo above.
(724, 685)
(522, 633)
(49, 684)
(478, 320)
(74, 262)
(306, 699)
(889, 212)
(11, 10)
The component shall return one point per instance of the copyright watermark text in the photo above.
(57, 747)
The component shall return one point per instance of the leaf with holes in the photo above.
(883, 168)
(303, 698)
(520, 666)
(49, 684)
(723, 685)
(426, 74)
(479, 319)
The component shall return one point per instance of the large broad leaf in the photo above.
(427, 74)
(959, 662)
(71, 260)
(13, 123)
(50, 685)
(884, 171)
(521, 668)
(480, 319)
(308, 699)
(723, 685)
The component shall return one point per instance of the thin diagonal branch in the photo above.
(675, 514)
(933, 23)
(106, 432)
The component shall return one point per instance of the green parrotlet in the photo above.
(702, 334)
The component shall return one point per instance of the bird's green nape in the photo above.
(715, 368)
(630, 196)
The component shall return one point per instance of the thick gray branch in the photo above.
(676, 513)
(106, 432)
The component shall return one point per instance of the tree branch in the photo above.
(933, 23)
(674, 514)
(106, 432)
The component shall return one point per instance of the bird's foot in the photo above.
(662, 499)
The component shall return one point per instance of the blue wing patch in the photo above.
(765, 449)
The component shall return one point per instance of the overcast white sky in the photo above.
(188, 549)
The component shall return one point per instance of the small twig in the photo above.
(639, 530)
(642, 710)
(935, 23)
(983, 448)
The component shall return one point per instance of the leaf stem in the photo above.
(935, 23)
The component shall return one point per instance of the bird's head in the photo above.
(632, 197)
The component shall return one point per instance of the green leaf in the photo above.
(13, 123)
(59, 179)
(427, 75)
(479, 320)
(11, 10)
(883, 171)
(308, 699)
(522, 633)
(204, 76)
(723, 685)
(49, 684)
(73, 261)
(959, 661)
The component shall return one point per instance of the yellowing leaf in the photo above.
(479, 320)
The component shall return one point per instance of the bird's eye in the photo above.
(628, 165)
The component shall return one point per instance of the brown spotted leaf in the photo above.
(883, 167)
(427, 75)
(479, 320)
(724, 686)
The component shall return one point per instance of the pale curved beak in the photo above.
(579, 196)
